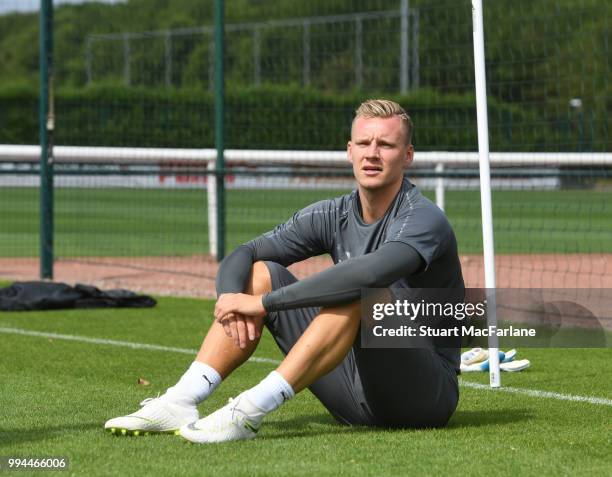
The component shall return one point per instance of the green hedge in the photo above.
(257, 117)
(18, 115)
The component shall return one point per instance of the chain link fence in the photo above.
(134, 78)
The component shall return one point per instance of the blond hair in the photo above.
(384, 108)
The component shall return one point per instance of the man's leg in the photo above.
(314, 361)
(322, 347)
(407, 387)
(396, 387)
(340, 389)
(219, 354)
(217, 358)
(386, 387)
(220, 351)
(316, 342)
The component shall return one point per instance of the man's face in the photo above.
(378, 152)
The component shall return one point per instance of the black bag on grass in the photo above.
(25, 296)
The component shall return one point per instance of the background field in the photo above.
(55, 401)
(154, 222)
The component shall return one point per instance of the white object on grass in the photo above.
(475, 355)
(237, 420)
(509, 356)
(514, 366)
(156, 415)
(481, 366)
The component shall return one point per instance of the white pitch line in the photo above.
(539, 394)
(125, 344)
(128, 344)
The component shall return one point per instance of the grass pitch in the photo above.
(160, 222)
(56, 395)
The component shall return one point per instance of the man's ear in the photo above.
(409, 156)
(348, 152)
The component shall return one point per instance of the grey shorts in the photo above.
(373, 386)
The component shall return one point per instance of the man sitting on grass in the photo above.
(384, 234)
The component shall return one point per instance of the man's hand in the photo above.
(240, 327)
(237, 313)
(241, 303)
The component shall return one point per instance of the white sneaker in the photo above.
(515, 366)
(157, 415)
(509, 355)
(237, 420)
(473, 356)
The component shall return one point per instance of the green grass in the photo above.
(55, 396)
(149, 222)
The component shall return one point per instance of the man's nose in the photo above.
(373, 150)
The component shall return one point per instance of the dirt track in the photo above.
(194, 276)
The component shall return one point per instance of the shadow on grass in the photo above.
(9, 437)
(322, 424)
(308, 426)
(304, 420)
(488, 417)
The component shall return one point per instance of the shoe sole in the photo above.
(128, 432)
(515, 366)
(197, 443)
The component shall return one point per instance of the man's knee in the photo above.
(260, 281)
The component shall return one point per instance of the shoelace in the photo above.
(233, 409)
(217, 416)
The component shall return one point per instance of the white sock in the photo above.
(270, 393)
(198, 382)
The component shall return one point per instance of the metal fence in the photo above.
(293, 84)
(314, 41)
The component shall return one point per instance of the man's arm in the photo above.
(343, 282)
(288, 243)
(339, 284)
(234, 270)
(308, 233)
